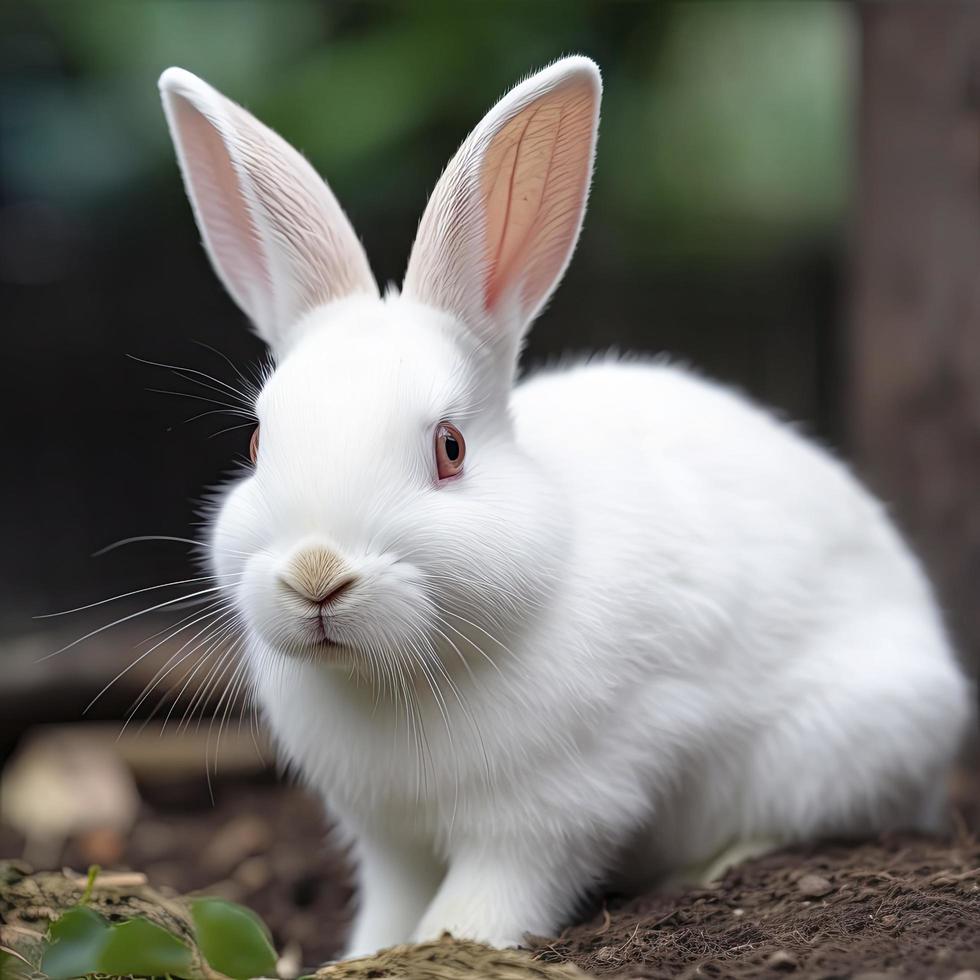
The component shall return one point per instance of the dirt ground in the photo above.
(898, 907)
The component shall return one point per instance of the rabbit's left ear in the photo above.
(276, 236)
(504, 217)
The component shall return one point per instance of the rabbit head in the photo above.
(388, 507)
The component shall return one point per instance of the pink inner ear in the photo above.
(534, 182)
(215, 190)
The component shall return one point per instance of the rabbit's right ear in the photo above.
(504, 217)
(276, 235)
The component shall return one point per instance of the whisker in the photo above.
(213, 602)
(232, 690)
(218, 614)
(163, 537)
(182, 371)
(209, 683)
(232, 428)
(476, 626)
(139, 659)
(249, 386)
(231, 407)
(125, 619)
(126, 595)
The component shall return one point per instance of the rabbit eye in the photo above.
(450, 450)
(253, 445)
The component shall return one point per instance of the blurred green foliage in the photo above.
(122, 933)
(726, 124)
(714, 233)
(232, 938)
(82, 942)
(231, 942)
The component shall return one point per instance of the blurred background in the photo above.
(786, 195)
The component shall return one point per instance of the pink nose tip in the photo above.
(324, 595)
(334, 591)
(319, 576)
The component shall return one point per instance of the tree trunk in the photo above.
(915, 344)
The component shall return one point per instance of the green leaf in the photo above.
(82, 942)
(146, 949)
(233, 939)
(76, 940)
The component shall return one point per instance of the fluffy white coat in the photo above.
(647, 623)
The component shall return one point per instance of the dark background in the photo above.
(785, 195)
(716, 227)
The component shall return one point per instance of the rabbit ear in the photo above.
(505, 215)
(276, 235)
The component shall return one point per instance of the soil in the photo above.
(897, 907)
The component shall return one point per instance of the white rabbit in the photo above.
(528, 640)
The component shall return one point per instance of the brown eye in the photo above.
(253, 445)
(450, 450)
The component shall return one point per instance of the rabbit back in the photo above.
(763, 614)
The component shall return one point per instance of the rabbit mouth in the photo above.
(311, 641)
(317, 635)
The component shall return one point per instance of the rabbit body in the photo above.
(527, 640)
(735, 646)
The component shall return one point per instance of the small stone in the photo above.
(290, 963)
(966, 975)
(102, 845)
(237, 840)
(814, 886)
(738, 913)
(782, 960)
(253, 873)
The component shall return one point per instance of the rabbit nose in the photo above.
(318, 575)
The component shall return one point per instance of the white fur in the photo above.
(647, 623)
